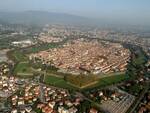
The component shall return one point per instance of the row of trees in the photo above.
(137, 65)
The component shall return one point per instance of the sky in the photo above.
(129, 10)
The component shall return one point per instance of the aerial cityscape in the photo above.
(81, 56)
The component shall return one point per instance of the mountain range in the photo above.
(42, 18)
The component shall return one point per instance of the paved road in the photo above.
(42, 93)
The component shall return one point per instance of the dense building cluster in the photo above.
(8, 86)
(49, 39)
(47, 99)
(4, 69)
(85, 56)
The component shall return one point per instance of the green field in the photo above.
(23, 69)
(106, 81)
(40, 47)
(58, 82)
(140, 59)
(113, 79)
(18, 56)
(81, 81)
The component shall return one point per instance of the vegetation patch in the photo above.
(58, 82)
(17, 56)
(81, 81)
(105, 81)
(23, 69)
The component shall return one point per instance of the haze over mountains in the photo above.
(43, 17)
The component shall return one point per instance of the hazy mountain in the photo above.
(42, 18)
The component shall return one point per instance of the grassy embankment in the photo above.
(83, 83)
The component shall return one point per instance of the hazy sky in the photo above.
(114, 9)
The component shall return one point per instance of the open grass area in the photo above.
(58, 82)
(81, 81)
(112, 79)
(23, 69)
(41, 47)
(105, 81)
(17, 56)
(140, 59)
